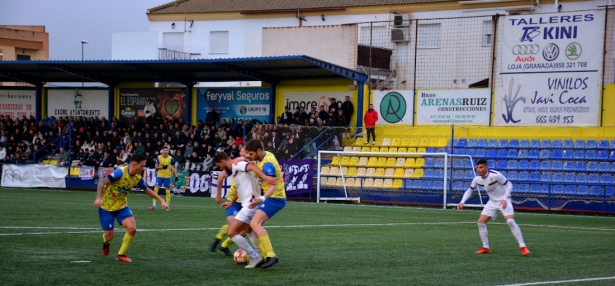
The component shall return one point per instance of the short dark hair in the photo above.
(482, 162)
(253, 145)
(221, 156)
(137, 158)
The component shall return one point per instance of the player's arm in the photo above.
(508, 185)
(151, 193)
(157, 166)
(221, 177)
(267, 174)
(268, 177)
(227, 204)
(99, 190)
(467, 194)
(112, 177)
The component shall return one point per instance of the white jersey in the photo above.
(493, 184)
(246, 186)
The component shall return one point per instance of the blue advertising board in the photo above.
(238, 103)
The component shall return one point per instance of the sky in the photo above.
(68, 22)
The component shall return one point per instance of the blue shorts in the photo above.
(107, 217)
(163, 182)
(271, 206)
(233, 209)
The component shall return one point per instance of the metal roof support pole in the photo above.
(111, 99)
(188, 120)
(38, 94)
(360, 100)
(272, 118)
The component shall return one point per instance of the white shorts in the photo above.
(245, 215)
(491, 209)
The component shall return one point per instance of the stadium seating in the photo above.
(569, 177)
(503, 143)
(602, 155)
(379, 172)
(557, 143)
(579, 166)
(557, 165)
(418, 173)
(522, 154)
(368, 183)
(568, 144)
(557, 177)
(524, 176)
(378, 184)
(409, 163)
(581, 178)
(472, 142)
(535, 176)
(428, 173)
(393, 149)
(570, 190)
(579, 144)
(381, 162)
(492, 143)
(389, 172)
(545, 165)
(545, 177)
(399, 173)
(512, 175)
(501, 165)
(523, 165)
(582, 190)
(604, 166)
(512, 164)
(593, 178)
(524, 143)
(533, 154)
(388, 184)
(386, 142)
(396, 142)
(363, 161)
(556, 154)
(524, 188)
(595, 191)
(546, 143)
(603, 144)
(352, 172)
(557, 189)
(398, 184)
(606, 179)
(361, 172)
(592, 166)
(568, 154)
(417, 184)
(535, 188)
(482, 143)
(591, 144)
(609, 191)
(534, 165)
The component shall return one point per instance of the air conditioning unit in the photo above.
(399, 35)
(401, 20)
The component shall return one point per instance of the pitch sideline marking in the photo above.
(95, 230)
(562, 281)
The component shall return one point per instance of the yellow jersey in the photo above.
(232, 191)
(280, 192)
(115, 194)
(162, 161)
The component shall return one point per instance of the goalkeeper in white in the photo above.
(498, 188)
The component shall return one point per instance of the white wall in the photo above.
(135, 45)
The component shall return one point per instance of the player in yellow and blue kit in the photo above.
(112, 203)
(271, 202)
(165, 167)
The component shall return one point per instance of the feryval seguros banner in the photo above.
(17, 102)
(78, 102)
(551, 69)
(394, 106)
(169, 103)
(33, 175)
(238, 103)
(450, 106)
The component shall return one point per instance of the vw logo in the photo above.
(525, 49)
(550, 52)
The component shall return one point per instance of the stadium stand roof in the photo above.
(247, 6)
(268, 69)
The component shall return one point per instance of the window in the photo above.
(173, 41)
(429, 36)
(376, 36)
(487, 30)
(23, 57)
(218, 42)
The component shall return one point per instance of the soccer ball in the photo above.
(240, 256)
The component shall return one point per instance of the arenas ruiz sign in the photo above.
(551, 69)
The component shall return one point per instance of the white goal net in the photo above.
(424, 179)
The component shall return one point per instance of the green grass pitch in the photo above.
(44, 232)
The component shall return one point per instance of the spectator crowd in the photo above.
(99, 142)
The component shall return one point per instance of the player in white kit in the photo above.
(243, 175)
(498, 188)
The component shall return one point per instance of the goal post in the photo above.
(417, 178)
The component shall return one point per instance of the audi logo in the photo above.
(525, 49)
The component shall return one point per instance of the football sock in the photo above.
(168, 191)
(266, 246)
(222, 232)
(482, 230)
(125, 244)
(243, 244)
(105, 239)
(516, 231)
(254, 241)
(227, 242)
(155, 192)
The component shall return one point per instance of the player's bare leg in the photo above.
(234, 233)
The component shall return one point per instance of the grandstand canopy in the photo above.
(268, 69)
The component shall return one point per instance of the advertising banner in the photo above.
(298, 176)
(78, 102)
(238, 103)
(17, 103)
(312, 99)
(226, 184)
(551, 69)
(169, 103)
(32, 176)
(454, 106)
(86, 173)
(394, 106)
